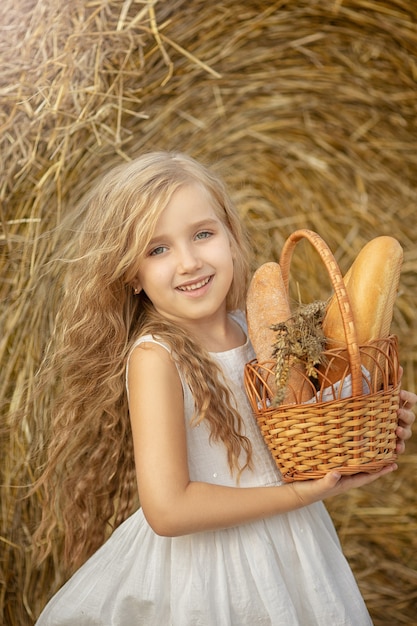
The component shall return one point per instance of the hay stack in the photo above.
(309, 110)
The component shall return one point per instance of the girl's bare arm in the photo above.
(174, 505)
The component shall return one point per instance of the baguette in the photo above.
(372, 286)
(267, 304)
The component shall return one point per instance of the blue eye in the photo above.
(204, 234)
(158, 250)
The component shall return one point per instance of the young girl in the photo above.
(153, 300)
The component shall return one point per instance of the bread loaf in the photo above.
(372, 286)
(268, 304)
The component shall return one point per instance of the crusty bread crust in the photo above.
(372, 286)
(266, 304)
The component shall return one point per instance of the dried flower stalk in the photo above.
(299, 340)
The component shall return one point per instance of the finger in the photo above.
(400, 447)
(406, 418)
(408, 399)
(360, 480)
(403, 432)
(334, 480)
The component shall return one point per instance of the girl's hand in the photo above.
(334, 484)
(406, 417)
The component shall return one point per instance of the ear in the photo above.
(137, 287)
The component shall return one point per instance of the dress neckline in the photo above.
(240, 320)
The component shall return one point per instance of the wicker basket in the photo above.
(349, 425)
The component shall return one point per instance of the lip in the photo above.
(194, 286)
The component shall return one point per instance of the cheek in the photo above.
(231, 252)
(228, 261)
(233, 248)
(222, 255)
(154, 277)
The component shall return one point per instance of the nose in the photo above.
(188, 260)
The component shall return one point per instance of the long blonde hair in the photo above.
(88, 479)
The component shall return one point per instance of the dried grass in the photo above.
(309, 110)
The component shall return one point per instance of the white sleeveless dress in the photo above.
(287, 570)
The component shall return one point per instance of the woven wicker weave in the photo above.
(353, 434)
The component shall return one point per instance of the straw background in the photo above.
(308, 108)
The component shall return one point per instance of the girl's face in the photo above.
(188, 265)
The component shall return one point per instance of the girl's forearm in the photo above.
(203, 506)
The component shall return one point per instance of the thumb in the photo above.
(330, 480)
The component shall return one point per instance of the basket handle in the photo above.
(336, 278)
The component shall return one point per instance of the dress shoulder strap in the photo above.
(148, 339)
(140, 340)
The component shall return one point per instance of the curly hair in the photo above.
(88, 480)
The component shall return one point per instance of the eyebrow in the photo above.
(207, 222)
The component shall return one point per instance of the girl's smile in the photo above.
(187, 269)
(195, 287)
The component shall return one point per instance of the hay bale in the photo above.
(309, 111)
